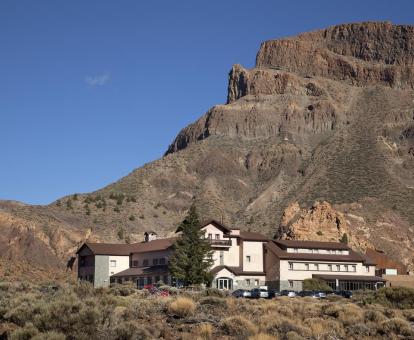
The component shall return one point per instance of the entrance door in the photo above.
(224, 283)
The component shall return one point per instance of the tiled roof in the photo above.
(311, 244)
(135, 271)
(126, 249)
(252, 236)
(282, 254)
(235, 270)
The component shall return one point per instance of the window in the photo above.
(316, 266)
(217, 236)
(306, 266)
(290, 284)
(248, 258)
(367, 269)
(247, 282)
(162, 260)
(290, 265)
(157, 279)
(149, 280)
(145, 262)
(338, 268)
(346, 268)
(135, 263)
(295, 250)
(165, 279)
(330, 267)
(256, 282)
(354, 268)
(112, 263)
(155, 262)
(315, 251)
(210, 236)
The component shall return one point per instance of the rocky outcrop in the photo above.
(359, 54)
(326, 116)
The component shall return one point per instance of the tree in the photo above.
(192, 257)
(315, 284)
(344, 238)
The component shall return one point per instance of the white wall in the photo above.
(301, 273)
(122, 263)
(255, 251)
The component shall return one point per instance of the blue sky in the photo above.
(90, 90)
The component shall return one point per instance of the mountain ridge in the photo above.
(324, 116)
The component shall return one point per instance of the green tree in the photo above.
(344, 238)
(315, 284)
(192, 258)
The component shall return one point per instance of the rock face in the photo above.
(327, 116)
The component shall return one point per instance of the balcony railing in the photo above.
(218, 242)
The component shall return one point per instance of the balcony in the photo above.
(219, 242)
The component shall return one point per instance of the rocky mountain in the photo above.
(315, 141)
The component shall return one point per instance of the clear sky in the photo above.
(90, 90)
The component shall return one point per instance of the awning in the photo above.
(364, 278)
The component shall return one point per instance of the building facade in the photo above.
(290, 262)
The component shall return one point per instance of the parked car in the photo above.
(257, 293)
(273, 293)
(241, 293)
(344, 293)
(309, 293)
(289, 293)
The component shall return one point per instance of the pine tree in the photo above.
(192, 257)
(344, 238)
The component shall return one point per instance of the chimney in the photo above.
(150, 236)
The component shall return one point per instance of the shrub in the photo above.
(213, 301)
(131, 218)
(25, 333)
(182, 307)
(238, 326)
(324, 328)
(315, 284)
(204, 331)
(49, 336)
(396, 297)
(374, 316)
(262, 336)
(132, 330)
(215, 292)
(396, 326)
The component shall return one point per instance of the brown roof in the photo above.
(127, 249)
(217, 224)
(384, 262)
(282, 254)
(311, 244)
(155, 245)
(135, 271)
(235, 271)
(107, 248)
(252, 236)
(349, 277)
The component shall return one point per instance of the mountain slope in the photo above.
(325, 116)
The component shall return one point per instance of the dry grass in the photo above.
(204, 331)
(27, 313)
(238, 326)
(182, 307)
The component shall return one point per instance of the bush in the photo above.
(204, 331)
(395, 297)
(215, 292)
(315, 284)
(132, 330)
(262, 336)
(25, 333)
(49, 336)
(396, 326)
(182, 307)
(238, 326)
(213, 301)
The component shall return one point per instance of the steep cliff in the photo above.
(326, 116)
